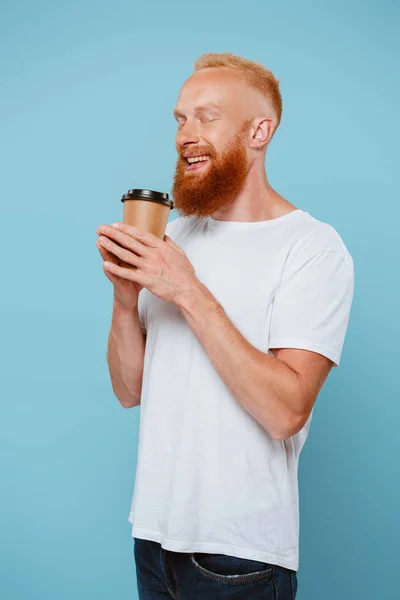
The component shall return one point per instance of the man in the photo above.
(243, 313)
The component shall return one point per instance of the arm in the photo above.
(278, 391)
(125, 355)
(309, 321)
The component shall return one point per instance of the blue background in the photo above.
(87, 93)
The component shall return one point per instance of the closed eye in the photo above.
(210, 120)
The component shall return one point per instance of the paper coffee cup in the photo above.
(147, 210)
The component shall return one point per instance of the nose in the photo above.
(187, 134)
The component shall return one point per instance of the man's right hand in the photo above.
(125, 292)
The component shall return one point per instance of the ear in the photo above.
(264, 128)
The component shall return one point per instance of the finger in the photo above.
(143, 237)
(124, 239)
(133, 275)
(172, 243)
(113, 278)
(105, 254)
(122, 253)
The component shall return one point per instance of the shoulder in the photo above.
(315, 236)
(317, 247)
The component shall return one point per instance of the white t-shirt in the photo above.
(209, 477)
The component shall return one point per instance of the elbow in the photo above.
(130, 403)
(293, 420)
(289, 428)
(127, 400)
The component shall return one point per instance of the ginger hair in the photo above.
(255, 76)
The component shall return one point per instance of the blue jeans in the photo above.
(163, 574)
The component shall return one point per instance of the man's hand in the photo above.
(126, 292)
(161, 266)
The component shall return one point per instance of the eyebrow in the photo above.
(198, 109)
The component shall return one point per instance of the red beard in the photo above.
(215, 185)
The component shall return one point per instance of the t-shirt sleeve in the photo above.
(311, 307)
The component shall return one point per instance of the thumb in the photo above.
(171, 243)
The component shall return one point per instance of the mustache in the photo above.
(198, 151)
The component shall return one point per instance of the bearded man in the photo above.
(243, 311)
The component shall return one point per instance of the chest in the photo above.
(242, 273)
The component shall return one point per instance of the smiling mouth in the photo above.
(197, 163)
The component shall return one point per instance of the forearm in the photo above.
(125, 355)
(265, 386)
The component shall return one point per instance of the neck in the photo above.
(257, 200)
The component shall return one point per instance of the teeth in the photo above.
(197, 159)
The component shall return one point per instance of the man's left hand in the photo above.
(161, 266)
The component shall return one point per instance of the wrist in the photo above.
(197, 299)
(122, 308)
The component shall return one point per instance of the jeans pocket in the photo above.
(222, 567)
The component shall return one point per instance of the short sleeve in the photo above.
(311, 307)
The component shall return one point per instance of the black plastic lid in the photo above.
(136, 194)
